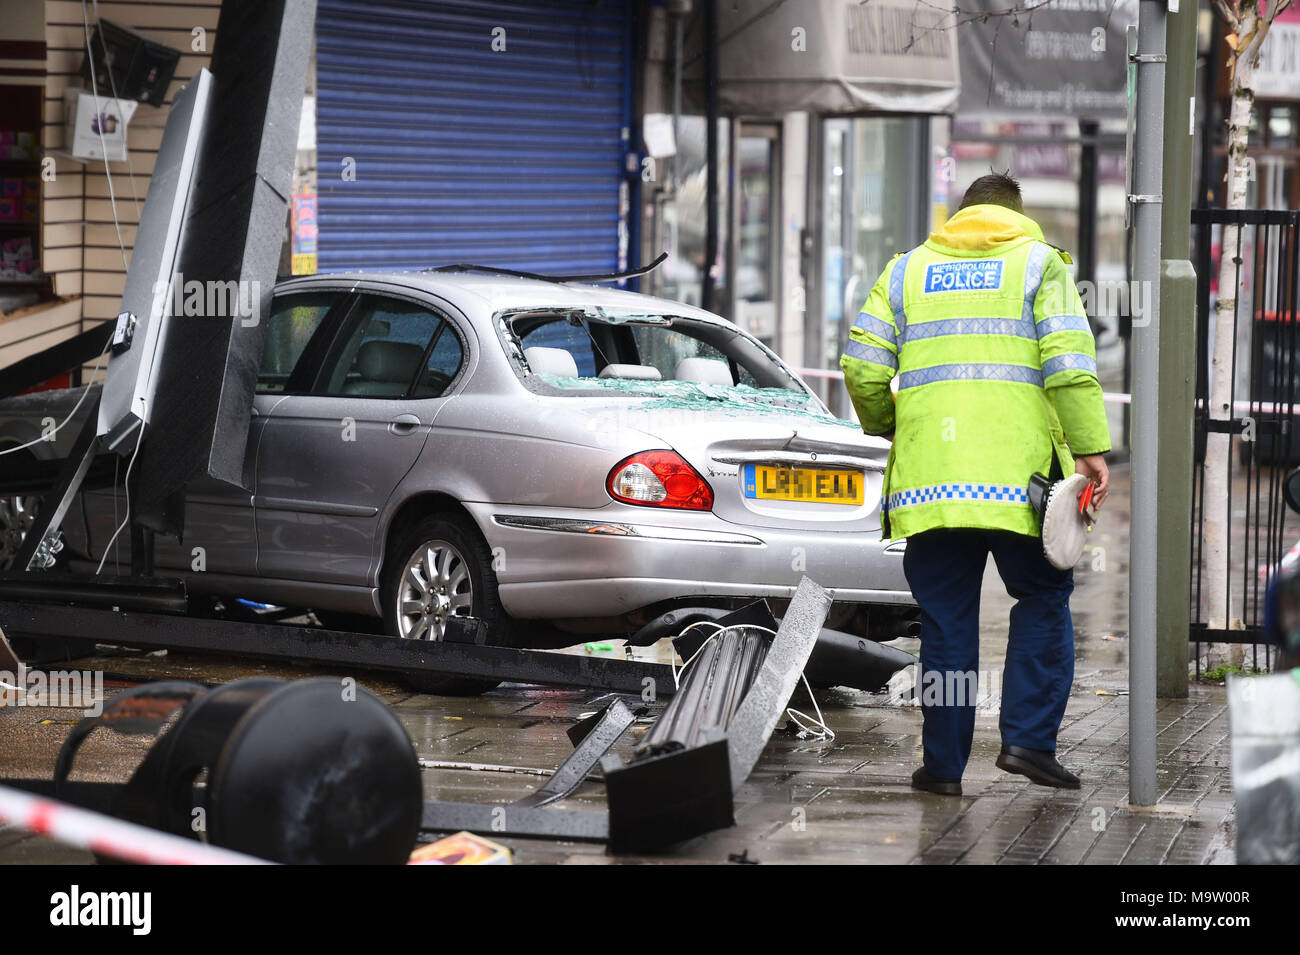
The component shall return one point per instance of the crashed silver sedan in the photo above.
(543, 456)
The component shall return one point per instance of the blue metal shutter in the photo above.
(463, 154)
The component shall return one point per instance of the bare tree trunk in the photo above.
(1218, 447)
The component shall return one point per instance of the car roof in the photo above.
(499, 293)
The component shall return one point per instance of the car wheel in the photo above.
(16, 514)
(438, 568)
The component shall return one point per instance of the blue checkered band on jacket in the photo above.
(872, 353)
(896, 291)
(971, 372)
(958, 492)
(876, 326)
(1067, 362)
(1063, 323)
(971, 326)
(1034, 276)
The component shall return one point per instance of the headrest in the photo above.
(552, 361)
(388, 361)
(703, 371)
(639, 372)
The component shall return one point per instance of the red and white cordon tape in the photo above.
(108, 836)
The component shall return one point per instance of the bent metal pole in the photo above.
(1147, 176)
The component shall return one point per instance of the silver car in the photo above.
(543, 456)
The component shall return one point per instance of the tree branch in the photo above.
(1226, 11)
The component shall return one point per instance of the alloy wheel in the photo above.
(16, 514)
(435, 585)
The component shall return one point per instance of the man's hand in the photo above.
(1093, 466)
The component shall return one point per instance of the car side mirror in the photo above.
(1291, 490)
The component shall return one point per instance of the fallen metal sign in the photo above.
(527, 818)
(682, 779)
(368, 651)
(681, 782)
(594, 740)
(750, 728)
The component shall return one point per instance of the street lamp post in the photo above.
(1145, 201)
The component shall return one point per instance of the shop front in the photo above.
(824, 160)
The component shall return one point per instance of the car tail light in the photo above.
(659, 479)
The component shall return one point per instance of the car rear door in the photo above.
(220, 533)
(332, 454)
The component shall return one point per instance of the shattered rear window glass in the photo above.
(684, 395)
(681, 362)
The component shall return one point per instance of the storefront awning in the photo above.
(829, 56)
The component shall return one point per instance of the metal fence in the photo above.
(1265, 385)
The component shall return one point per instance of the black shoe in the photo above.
(1039, 765)
(922, 779)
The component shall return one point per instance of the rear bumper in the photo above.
(565, 563)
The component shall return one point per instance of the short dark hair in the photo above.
(995, 189)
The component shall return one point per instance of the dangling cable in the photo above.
(126, 518)
(815, 727)
(103, 147)
(112, 84)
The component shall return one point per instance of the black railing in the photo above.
(1265, 393)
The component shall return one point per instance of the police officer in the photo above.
(997, 380)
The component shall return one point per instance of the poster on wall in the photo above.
(304, 233)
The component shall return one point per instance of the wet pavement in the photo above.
(841, 801)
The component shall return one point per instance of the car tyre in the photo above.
(439, 566)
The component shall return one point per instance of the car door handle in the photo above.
(404, 424)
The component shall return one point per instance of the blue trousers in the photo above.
(944, 569)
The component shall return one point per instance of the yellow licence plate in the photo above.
(813, 485)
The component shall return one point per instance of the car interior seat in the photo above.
(704, 371)
(551, 361)
(384, 369)
(637, 372)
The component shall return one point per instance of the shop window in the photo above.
(685, 216)
(22, 281)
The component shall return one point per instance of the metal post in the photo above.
(707, 294)
(1148, 159)
(1177, 374)
(1086, 255)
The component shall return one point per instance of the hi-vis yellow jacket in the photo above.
(997, 374)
